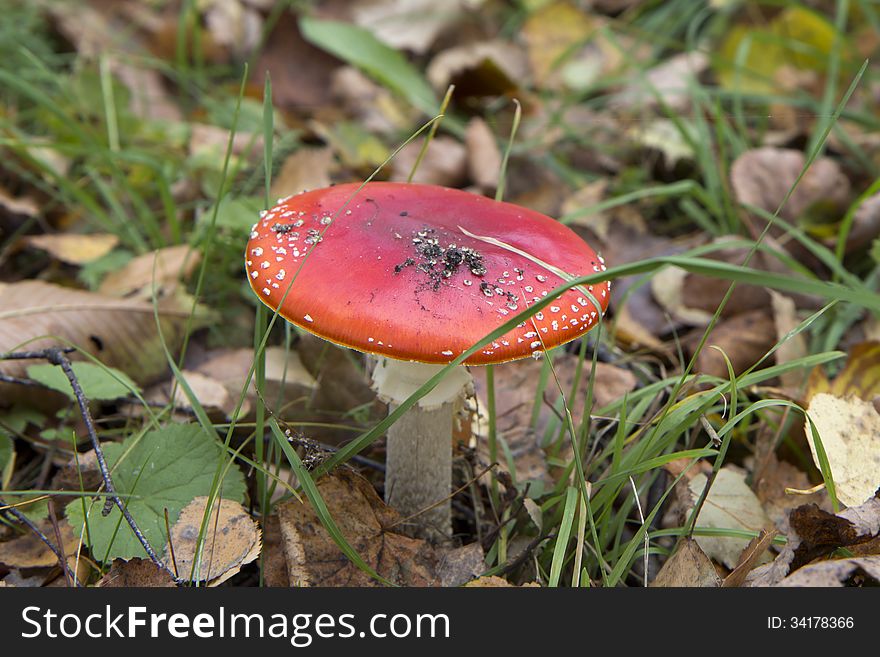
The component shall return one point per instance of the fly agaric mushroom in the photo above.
(415, 275)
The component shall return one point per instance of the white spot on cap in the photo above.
(280, 275)
(541, 279)
(266, 291)
(446, 353)
(254, 274)
(257, 251)
(264, 264)
(308, 318)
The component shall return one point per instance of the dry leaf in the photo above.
(730, 505)
(313, 559)
(374, 107)
(771, 480)
(299, 71)
(493, 581)
(273, 563)
(744, 339)
(18, 207)
(550, 34)
(669, 84)
(231, 540)
(210, 393)
(460, 565)
(866, 224)
(860, 376)
(850, 431)
(72, 248)
(786, 320)
(135, 573)
(862, 571)
(485, 68)
(688, 566)
(289, 386)
(305, 169)
(749, 558)
(818, 533)
(409, 24)
(161, 270)
(28, 551)
(445, 163)
(667, 286)
(120, 332)
(762, 177)
(483, 155)
(233, 25)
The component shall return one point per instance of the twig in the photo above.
(57, 356)
(23, 519)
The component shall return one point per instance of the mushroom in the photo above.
(416, 275)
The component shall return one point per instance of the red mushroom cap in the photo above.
(390, 271)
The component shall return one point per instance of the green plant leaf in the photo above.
(360, 48)
(98, 382)
(164, 469)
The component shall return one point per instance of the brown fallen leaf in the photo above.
(171, 265)
(669, 83)
(28, 551)
(688, 566)
(770, 483)
(135, 573)
(314, 559)
(460, 565)
(273, 563)
(763, 177)
(211, 394)
(409, 24)
(493, 581)
(305, 169)
(861, 571)
(483, 155)
(122, 333)
(813, 532)
(744, 339)
(74, 249)
(374, 107)
(820, 533)
(299, 71)
(445, 163)
(231, 540)
(750, 557)
(786, 320)
(289, 386)
(480, 69)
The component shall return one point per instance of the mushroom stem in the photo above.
(418, 470)
(418, 467)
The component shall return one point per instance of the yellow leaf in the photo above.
(74, 249)
(850, 431)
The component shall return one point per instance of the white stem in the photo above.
(418, 465)
(418, 470)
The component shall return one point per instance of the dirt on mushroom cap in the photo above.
(397, 269)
